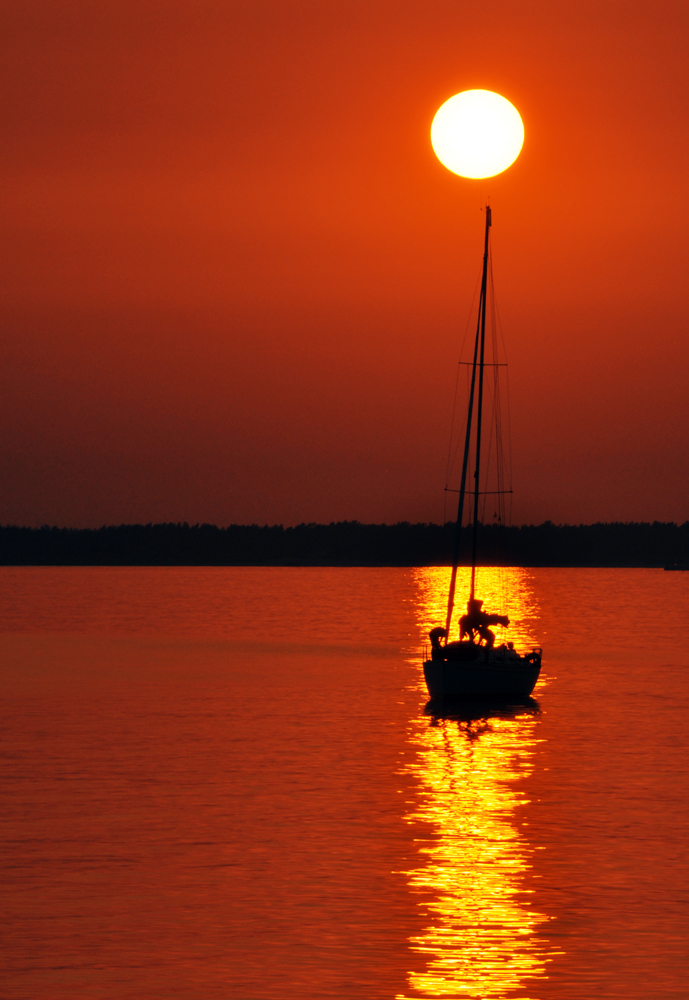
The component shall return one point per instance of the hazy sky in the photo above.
(235, 277)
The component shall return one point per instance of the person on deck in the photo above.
(475, 622)
(435, 635)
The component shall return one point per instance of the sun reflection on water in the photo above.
(504, 591)
(483, 939)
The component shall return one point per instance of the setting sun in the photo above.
(477, 134)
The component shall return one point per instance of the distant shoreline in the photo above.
(345, 543)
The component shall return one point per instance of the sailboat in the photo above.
(472, 667)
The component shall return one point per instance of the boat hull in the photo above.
(452, 679)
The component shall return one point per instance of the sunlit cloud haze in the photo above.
(235, 277)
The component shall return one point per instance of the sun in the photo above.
(477, 133)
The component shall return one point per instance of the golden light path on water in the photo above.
(483, 939)
(503, 590)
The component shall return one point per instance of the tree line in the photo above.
(345, 543)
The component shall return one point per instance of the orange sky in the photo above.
(234, 276)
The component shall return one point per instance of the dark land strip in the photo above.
(346, 543)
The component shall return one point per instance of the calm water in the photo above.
(222, 783)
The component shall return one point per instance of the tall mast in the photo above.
(479, 409)
(476, 368)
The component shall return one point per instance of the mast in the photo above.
(477, 368)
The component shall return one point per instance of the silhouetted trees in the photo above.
(345, 543)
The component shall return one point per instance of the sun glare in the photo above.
(477, 133)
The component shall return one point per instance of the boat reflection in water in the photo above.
(483, 939)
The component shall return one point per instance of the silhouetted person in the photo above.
(475, 622)
(435, 635)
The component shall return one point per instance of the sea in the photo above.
(228, 784)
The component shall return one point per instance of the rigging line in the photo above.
(499, 325)
(450, 455)
(465, 464)
(462, 433)
(467, 441)
(489, 452)
(499, 443)
(497, 312)
(479, 406)
(497, 416)
(494, 419)
(508, 510)
(497, 427)
(502, 537)
(488, 364)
